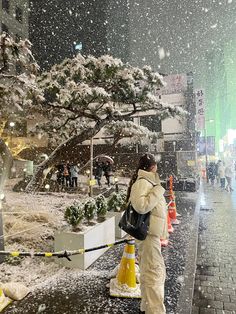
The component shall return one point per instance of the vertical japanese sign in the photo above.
(200, 109)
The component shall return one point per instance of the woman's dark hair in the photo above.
(146, 162)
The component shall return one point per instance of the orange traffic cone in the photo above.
(172, 212)
(124, 285)
(170, 228)
(172, 206)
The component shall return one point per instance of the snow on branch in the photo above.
(128, 133)
(18, 69)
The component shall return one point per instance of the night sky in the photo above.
(171, 36)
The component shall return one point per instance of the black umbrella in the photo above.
(104, 158)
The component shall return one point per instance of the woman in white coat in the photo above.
(146, 194)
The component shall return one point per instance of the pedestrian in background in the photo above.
(60, 177)
(217, 171)
(147, 195)
(74, 173)
(211, 173)
(98, 169)
(66, 174)
(229, 176)
(107, 169)
(221, 173)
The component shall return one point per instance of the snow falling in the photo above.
(86, 88)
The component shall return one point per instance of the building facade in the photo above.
(14, 17)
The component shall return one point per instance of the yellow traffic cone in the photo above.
(4, 301)
(124, 285)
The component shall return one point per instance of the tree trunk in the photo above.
(7, 163)
(61, 153)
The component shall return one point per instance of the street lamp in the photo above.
(206, 148)
(11, 124)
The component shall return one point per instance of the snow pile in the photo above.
(123, 290)
(29, 224)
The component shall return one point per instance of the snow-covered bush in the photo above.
(101, 204)
(74, 214)
(90, 209)
(116, 201)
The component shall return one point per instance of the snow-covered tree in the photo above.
(18, 88)
(84, 94)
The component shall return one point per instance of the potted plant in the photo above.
(116, 201)
(116, 204)
(85, 237)
(90, 209)
(74, 215)
(101, 205)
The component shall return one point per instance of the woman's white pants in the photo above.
(152, 276)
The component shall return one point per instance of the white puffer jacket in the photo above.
(147, 195)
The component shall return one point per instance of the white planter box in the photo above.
(99, 234)
(119, 233)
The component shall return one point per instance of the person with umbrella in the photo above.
(103, 164)
(107, 169)
(98, 171)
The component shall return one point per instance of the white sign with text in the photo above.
(200, 109)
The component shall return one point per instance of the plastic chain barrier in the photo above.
(62, 254)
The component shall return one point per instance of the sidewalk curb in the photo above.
(184, 305)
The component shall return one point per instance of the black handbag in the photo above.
(135, 224)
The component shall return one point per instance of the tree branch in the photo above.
(67, 120)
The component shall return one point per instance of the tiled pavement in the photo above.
(215, 281)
